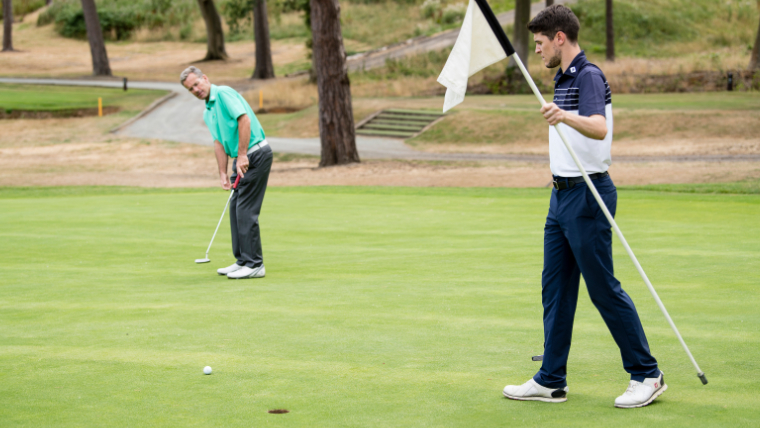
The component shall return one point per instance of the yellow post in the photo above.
(261, 98)
(100, 107)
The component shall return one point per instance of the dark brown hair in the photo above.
(553, 19)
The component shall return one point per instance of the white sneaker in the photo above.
(532, 391)
(246, 272)
(228, 269)
(640, 394)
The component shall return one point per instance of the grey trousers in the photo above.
(245, 207)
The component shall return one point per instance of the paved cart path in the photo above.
(180, 119)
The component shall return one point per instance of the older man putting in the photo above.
(236, 131)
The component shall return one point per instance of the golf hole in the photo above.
(279, 411)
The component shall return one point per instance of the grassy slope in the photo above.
(648, 28)
(515, 118)
(405, 307)
(504, 119)
(49, 98)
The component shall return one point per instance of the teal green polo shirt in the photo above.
(223, 108)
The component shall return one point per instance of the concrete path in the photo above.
(377, 57)
(180, 119)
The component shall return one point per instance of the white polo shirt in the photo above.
(581, 89)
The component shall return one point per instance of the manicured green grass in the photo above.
(381, 307)
(53, 98)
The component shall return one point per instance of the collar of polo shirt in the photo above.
(211, 97)
(578, 62)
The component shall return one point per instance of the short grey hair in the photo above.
(186, 72)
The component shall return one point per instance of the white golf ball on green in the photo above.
(207, 370)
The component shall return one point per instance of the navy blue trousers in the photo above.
(578, 241)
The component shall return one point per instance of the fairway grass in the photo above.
(382, 307)
(55, 98)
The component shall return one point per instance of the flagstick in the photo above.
(607, 214)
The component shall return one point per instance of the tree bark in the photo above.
(754, 60)
(549, 3)
(100, 65)
(264, 66)
(7, 25)
(522, 37)
(610, 33)
(336, 117)
(214, 33)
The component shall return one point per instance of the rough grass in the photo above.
(52, 98)
(646, 28)
(405, 307)
(683, 116)
(751, 187)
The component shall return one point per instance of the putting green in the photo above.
(54, 98)
(381, 307)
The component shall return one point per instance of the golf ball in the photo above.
(207, 370)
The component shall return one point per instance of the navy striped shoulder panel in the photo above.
(569, 98)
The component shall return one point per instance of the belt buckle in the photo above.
(563, 184)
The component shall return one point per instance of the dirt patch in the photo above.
(156, 164)
(80, 151)
(47, 114)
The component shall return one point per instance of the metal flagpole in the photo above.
(509, 50)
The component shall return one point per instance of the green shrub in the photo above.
(120, 18)
(235, 11)
(21, 8)
(453, 13)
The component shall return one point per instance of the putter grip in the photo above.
(237, 180)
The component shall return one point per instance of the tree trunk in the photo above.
(7, 25)
(214, 32)
(336, 117)
(264, 67)
(754, 60)
(522, 37)
(549, 3)
(48, 2)
(100, 66)
(610, 33)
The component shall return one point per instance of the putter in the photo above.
(537, 358)
(206, 259)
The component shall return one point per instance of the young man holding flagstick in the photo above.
(577, 238)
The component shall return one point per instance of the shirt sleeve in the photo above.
(232, 105)
(592, 95)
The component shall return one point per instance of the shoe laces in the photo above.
(632, 387)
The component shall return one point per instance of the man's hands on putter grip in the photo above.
(226, 184)
(242, 165)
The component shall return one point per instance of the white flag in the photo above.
(476, 48)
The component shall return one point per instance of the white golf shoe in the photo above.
(231, 268)
(246, 272)
(532, 391)
(640, 394)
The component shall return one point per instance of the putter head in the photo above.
(206, 260)
(538, 358)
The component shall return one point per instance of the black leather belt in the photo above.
(562, 183)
